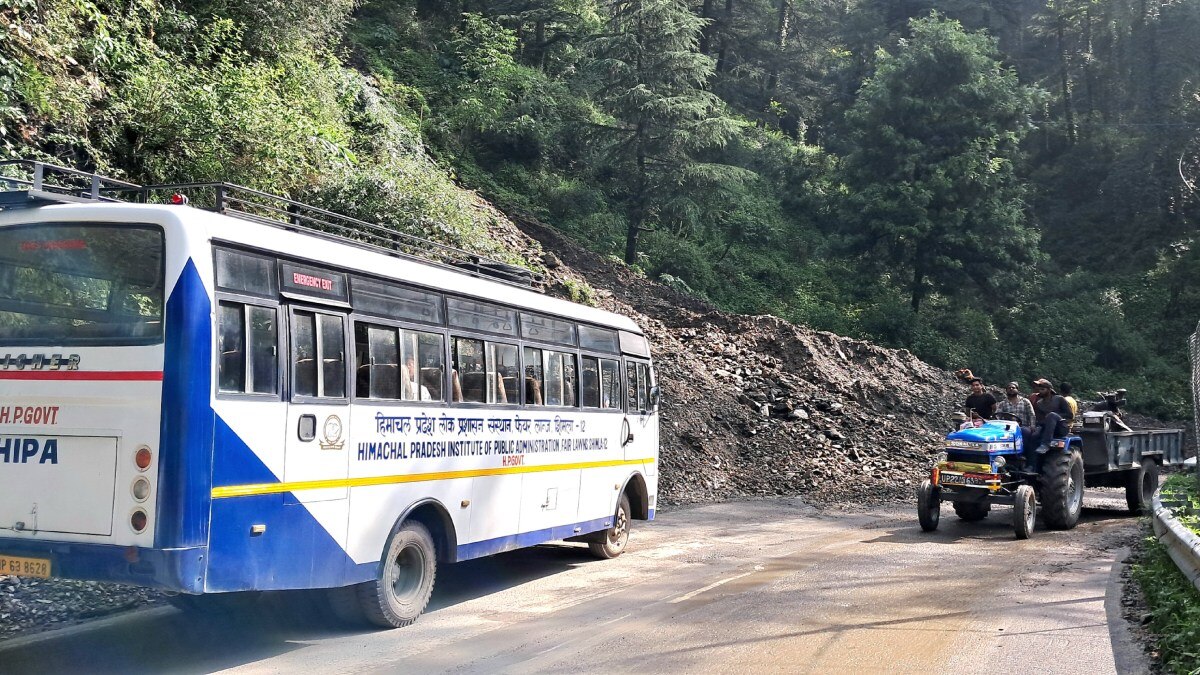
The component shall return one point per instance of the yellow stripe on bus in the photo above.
(274, 488)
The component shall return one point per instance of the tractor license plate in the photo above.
(952, 479)
(12, 565)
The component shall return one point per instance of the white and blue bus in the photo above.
(237, 399)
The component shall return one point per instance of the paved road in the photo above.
(767, 586)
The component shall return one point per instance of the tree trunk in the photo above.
(539, 40)
(637, 215)
(781, 35)
(709, 28)
(1065, 79)
(917, 291)
(726, 26)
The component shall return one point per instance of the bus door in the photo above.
(640, 428)
(317, 447)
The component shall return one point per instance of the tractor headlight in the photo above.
(941, 458)
(1000, 462)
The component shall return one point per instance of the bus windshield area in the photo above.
(81, 284)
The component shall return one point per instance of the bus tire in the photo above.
(1140, 485)
(345, 607)
(402, 588)
(611, 542)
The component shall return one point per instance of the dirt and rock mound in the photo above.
(756, 406)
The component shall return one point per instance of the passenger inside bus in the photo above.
(411, 384)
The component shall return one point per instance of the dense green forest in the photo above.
(1005, 185)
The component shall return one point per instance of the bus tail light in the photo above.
(141, 488)
(138, 520)
(142, 458)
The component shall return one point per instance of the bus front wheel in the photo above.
(402, 588)
(611, 543)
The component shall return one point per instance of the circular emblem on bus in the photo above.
(332, 434)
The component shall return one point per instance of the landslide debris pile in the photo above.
(756, 406)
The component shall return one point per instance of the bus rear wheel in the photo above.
(611, 542)
(402, 588)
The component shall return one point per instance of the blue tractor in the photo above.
(986, 465)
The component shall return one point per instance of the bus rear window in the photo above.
(81, 284)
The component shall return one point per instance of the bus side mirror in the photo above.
(655, 397)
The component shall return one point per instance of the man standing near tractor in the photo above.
(979, 403)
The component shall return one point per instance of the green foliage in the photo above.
(580, 292)
(273, 27)
(934, 135)
(1173, 601)
(650, 84)
(833, 163)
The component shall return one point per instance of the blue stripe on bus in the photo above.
(179, 569)
(511, 542)
(184, 455)
(234, 463)
(295, 551)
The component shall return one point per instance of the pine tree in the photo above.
(933, 193)
(657, 116)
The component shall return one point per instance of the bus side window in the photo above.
(264, 352)
(533, 376)
(231, 345)
(643, 387)
(249, 360)
(610, 384)
(421, 373)
(377, 362)
(470, 379)
(631, 387)
(333, 355)
(589, 382)
(501, 373)
(304, 353)
(559, 378)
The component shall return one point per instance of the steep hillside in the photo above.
(756, 406)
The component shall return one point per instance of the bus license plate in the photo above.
(12, 565)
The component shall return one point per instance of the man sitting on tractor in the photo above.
(1018, 406)
(1052, 412)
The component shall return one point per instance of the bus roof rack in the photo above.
(40, 183)
(49, 184)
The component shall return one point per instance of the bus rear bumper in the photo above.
(173, 569)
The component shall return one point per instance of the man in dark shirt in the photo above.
(1052, 413)
(980, 402)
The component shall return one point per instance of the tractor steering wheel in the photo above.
(1005, 416)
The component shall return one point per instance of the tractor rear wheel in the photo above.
(1062, 488)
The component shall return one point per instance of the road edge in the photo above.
(82, 626)
(1129, 656)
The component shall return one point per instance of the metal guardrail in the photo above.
(1194, 352)
(1182, 544)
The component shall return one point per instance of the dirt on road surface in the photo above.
(761, 586)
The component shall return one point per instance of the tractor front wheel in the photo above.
(929, 505)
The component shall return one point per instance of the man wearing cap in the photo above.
(1052, 412)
